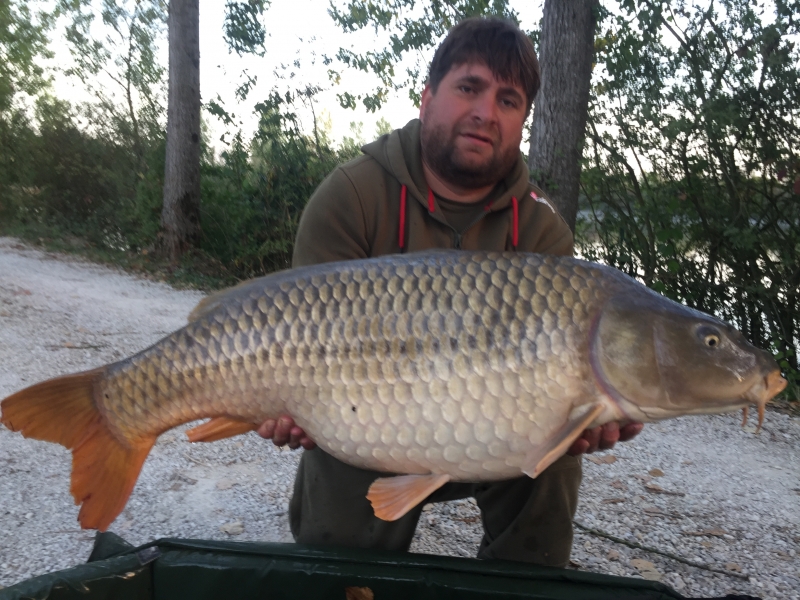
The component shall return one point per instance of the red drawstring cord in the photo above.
(431, 205)
(402, 237)
(514, 222)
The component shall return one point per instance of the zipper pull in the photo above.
(457, 241)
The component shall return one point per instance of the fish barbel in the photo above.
(442, 366)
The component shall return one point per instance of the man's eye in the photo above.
(466, 89)
(509, 103)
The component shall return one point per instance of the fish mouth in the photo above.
(761, 393)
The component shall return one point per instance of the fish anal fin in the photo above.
(556, 445)
(219, 428)
(393, 497)
(104, 467)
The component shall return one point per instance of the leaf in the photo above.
(225, 484)
(619, 485)
(733, 567)
(656, 489)
(234, 528)
(646, 569)
(612, 555)
(653, 510)
(358, 593)
(608, 459)
(612, 501)
(656, 472)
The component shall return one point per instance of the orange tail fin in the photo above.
(104, 467)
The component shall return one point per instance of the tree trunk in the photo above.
(180, 216)
(559, 117)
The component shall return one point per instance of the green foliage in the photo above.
(22, 39)
(117, 41)
(691, 176)
(94, 173)
(244, 32)
(253, 198)
(412, 27)
(72, 181)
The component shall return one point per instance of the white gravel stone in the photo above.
(739, 510)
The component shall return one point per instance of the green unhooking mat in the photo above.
(174, 569)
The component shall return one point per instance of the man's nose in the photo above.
(484, 108)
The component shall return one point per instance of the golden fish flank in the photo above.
(443, 365)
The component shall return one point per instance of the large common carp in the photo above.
(444, 366)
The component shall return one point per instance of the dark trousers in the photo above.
(524, 519)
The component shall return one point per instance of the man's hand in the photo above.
(604, 437)
(283, 431)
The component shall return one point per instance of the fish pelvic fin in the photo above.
(219, 428)
(104, 468)
(555, 446)
(393, 497)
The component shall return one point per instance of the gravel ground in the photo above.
(700, 488)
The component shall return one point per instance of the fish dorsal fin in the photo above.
(557, 444)
(393, 497)
(211, 302)
(219, 428)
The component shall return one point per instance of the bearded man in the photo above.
(454, 178)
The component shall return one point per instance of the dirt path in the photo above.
(700, 488)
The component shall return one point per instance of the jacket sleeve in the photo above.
(332, 226)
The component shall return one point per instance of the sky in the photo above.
(298, 30)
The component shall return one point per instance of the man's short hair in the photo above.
(497, 43)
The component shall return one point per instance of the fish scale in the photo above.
(457, 346)
(444, 366)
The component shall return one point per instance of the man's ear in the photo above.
(423, 102)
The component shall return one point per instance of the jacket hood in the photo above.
(399, 153)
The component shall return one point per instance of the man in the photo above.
(455, 178)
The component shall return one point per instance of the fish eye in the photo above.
(710, 336)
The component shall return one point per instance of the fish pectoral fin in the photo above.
(554, 447)
(219, 428)
(393, 497)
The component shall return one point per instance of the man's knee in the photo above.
(530, 520)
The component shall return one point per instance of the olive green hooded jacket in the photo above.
(356, 212)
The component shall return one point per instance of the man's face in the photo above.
(472, 126)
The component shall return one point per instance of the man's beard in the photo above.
(440, 154)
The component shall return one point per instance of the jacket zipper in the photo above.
(458, 237)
